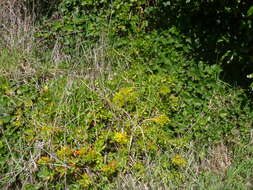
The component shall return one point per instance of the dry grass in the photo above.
(17, 26)
(219, 160)
(16, 40)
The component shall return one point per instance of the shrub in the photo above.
(219, 31)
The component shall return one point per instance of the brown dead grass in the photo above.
(16, 26)
(219, 159)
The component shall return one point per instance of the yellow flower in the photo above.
(45, 88)
(164, 90)
(161, 119)
(179, 161)
(44, 160)
(121, 137)
(125, 95)
(64, 152)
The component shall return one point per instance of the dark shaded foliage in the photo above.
(220, 31)
(41, 8)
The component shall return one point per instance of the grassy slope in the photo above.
(138, 114)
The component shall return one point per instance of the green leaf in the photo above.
(250, 76)
(250, 11)
(45, 174)
(5, 119)
(1, 144)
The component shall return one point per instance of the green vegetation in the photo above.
(103, 95)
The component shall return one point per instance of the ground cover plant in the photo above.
(126, 107)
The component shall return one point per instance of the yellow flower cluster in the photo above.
(121, 137)
(45, 88)
(64, 152)
(179, 161)
(125, 95)
(161, 119)
(44, 160)
(164, 90)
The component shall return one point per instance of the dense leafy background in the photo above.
(219, 31)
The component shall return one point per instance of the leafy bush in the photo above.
(219, 31)
(87, 19)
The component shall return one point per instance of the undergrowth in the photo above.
(124, 113)
(173, 125)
